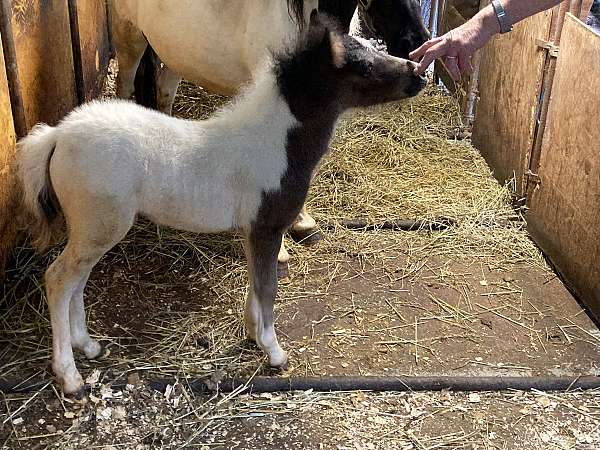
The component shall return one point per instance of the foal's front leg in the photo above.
(261, 253)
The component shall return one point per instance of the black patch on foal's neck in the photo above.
(306, 82)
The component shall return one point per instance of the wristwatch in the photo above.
(503, 19)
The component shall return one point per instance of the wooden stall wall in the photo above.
(565, 205)
(57, 53)
(44, 58)
(94, 45)
(510, 79)
(8, 193)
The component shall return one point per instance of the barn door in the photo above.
(56, 53)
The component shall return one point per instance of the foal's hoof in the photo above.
(80, 396)
(279, 361)
(74, 389)
(306, 237)
(95, 350)
(283, 367)
(283, 270)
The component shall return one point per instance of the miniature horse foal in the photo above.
(248, 169)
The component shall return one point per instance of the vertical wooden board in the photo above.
(8, 194)
(586, 5)
(565, 207)
(509, 89)
(44, 58)
(95, 44)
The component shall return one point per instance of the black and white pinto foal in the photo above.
(248, 170)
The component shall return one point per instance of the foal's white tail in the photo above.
(39, 199)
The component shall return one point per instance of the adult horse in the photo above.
(398, 22)
(221, 44)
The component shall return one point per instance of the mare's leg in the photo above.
(167, 82)
(130, 45)
(261, 253)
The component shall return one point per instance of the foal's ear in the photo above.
(314, 18)
(338, 51)
(330, 42)
(333, 48)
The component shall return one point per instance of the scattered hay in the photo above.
(386, 163)
(176, 298)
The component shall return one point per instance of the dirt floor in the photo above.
(476, 299)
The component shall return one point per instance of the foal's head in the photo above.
(329, 71)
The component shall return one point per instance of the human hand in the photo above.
(454, 48)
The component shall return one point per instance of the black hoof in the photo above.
(283, 270)
(78, 397)
(275, 370)
(306, 237)
(104, 352)
(249, 344)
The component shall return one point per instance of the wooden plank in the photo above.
(44, 58)
(95, 45)
(510, 80)
(583, 9)
(8, 194)
(564, 212)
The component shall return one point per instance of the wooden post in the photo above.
(12, 72)
(586, 6)
(76, 46)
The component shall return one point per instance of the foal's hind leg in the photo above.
(261, 253)
(93, 230)
(63, 278)
(80, 338)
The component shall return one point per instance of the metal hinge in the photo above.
(552, 49)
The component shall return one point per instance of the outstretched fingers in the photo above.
(418, 53)
(431, 54)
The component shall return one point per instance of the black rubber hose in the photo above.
(381, 384)
(396, 225)
(376, 384)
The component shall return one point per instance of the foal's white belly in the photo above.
(220, 202)
(217, 44)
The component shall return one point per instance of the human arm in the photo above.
(458, 45)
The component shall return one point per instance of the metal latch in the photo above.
(552, 49)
